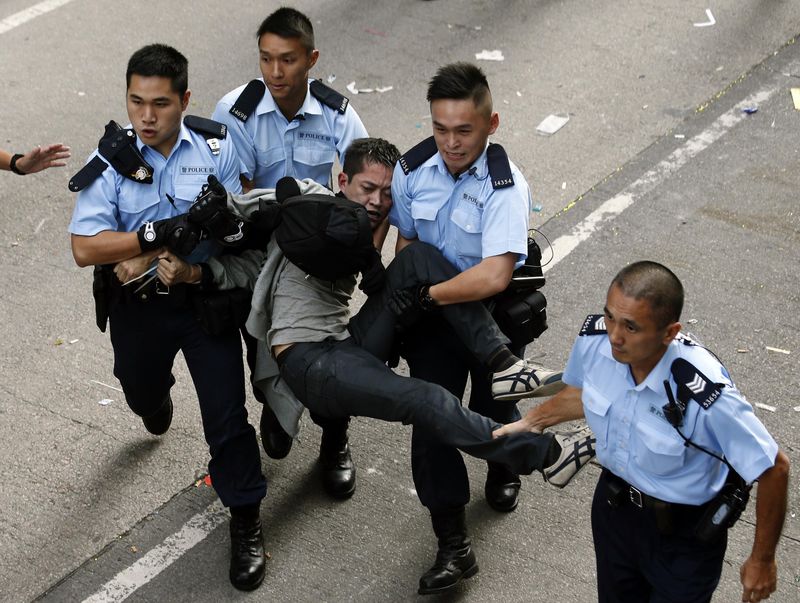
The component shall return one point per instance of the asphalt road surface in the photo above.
(657, 161)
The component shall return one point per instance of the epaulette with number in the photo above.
(692, 384)
(499, 167)
(248, 100)
(212, 131)
(118, 148)
(328, 96)
(595, 324)
(417, 155)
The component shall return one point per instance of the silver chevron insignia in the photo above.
(600, 324)
(696, 385)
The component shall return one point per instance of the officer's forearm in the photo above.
(770, 508)
(106, 247)
(566, 405)
(489, 277)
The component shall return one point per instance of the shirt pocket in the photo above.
(469, 222)
(596, 408)
(269, 156)
(315, 154)
(657, 450)
(137, 201)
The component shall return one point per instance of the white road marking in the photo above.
(27, 14)
(155, 561)
(609, 210)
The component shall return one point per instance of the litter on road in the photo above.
(552, 124)
(765, 407)
(769, 348)
(105, 401)
(116, 389)
(489, 55)
(796, 98)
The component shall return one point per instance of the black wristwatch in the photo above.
(425, 299)
(13, 164)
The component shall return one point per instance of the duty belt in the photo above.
(621, 492)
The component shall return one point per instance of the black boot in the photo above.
(158, 423)
(502, 488)
(455, 560)
(276, 442)
(338, 470)
(248, 562)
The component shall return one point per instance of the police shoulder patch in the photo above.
(248, 100)
(328, 96)
(418, 155)
(595, 324)
(499, 167)
(207, 127)
(692, 384)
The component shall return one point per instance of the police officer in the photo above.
(129, 192)
(464, 197)
(679, 445)
(35, 160)
(297, 130)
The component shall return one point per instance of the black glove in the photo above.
(176, 233)
(407, 305)
(373, 276)
(210, 211)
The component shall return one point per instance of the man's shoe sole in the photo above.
(543, 391)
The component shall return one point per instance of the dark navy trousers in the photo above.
(638, 564)
(146, 337)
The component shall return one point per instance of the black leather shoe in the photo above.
(338, 470)
(455, 560)
(502, 488)
(158, 423)
(276, 442)
(248, 562)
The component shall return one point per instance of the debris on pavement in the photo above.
(765, 406)
(354, 90)
(769, 348)
(105, 401)
(742, 350)
(489, 55)
(331, 78)
(680, 136)
(552, 124)
(117, 389)
(692, 321)
(750, 110)
(537, 207)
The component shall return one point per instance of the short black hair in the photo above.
(289, 23)
(461, 81)
(162, 61)
(363, 151)
(655, 283)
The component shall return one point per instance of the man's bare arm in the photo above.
(759, 572)
(106, 247)
(566, 405)
(489, 277)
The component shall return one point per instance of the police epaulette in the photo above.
(595, 324)
(207, 127)
(248, 100)
(417, 155)
(328, 96)
(87, 174)
(118, 148)
(499, 167)
(692, 384)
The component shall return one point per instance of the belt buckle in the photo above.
(635, 496)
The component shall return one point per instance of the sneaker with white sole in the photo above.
(577, 449)
(525, 379)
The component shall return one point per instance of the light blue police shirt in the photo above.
(634, 439)
(113, 202)
(271, 147)
(466, 219)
